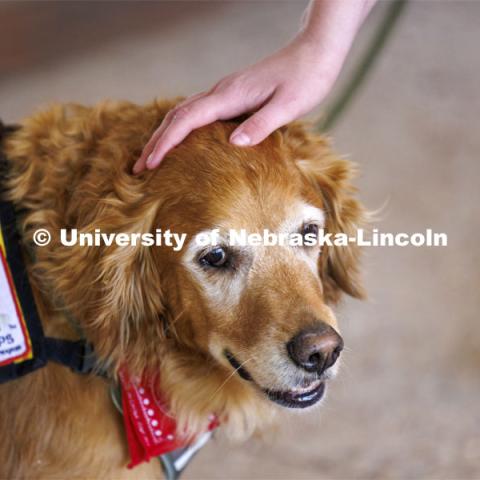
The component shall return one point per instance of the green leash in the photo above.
(385, 29)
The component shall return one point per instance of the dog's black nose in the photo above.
(315, 349)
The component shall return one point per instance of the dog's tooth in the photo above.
(311, 386)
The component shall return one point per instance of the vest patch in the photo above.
(15, 344)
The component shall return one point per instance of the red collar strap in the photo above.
(151, 431)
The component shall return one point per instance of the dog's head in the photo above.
(233, 330)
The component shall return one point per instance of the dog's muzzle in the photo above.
(313, 350)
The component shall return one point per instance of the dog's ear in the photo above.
(331, 178)
(113, 291)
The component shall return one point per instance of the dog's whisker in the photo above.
(170, 324)
(230, 376)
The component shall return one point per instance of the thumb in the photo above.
(261, 124)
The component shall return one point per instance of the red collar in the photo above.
(151, 431)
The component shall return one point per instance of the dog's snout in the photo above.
(315, 349)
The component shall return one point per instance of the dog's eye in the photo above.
(217, 257)
(310, 229)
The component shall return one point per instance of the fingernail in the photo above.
(150, 160)
(240, 139)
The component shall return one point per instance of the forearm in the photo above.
(329, 28)
(324, 17)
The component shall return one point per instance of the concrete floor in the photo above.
(407, 403)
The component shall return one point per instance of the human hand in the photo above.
(278, 89)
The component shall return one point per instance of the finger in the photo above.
(140, 164)
(203, 111)
(172, 114)
(262, 123)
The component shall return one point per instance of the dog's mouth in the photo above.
(299, 397)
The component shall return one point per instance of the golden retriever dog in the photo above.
(241, 332)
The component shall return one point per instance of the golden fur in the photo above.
(70, 167)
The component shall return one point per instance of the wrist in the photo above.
(318, 54)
